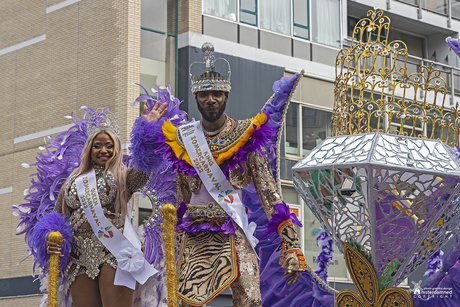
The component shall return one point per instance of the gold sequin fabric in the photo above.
(211, 210)
(88, 254)
(226, 138)
(256, 170)
(106, 188)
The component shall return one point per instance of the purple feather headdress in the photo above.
(60, 157)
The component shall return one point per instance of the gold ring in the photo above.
(289, 271)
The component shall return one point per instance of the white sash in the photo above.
(125, 247)
(214, 179)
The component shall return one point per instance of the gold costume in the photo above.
(209, 262)
(88, 254)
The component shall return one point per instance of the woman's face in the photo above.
(102, 149)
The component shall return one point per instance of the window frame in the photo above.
(294, 24)
(256, 13)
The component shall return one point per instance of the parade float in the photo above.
(385, 185)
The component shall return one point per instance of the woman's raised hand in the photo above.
(157, 111)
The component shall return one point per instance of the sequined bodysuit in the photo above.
(88, 254)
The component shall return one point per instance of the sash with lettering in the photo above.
(214, 179)
(125, 247)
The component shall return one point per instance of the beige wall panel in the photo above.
(317, 92)
(22, 301)
(7, 101)
(190, 16)
(6, 218)
(21, 20)
(6, 177)
(53, 2)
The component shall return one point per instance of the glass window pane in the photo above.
(326, 22)
(414, 2)
(220, 8)
(290, 195)
(438, 6)
(301, 32)
(315, 128)
(157, 62)
(248, 5)
(301, 12)
(456, 9)
(248, 18)
(275, 15)
(154, 15)
(292, 146)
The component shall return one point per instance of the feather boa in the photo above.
(283, 214)
(146, 138)
(434, 263)
(51, 222)
(324, 241)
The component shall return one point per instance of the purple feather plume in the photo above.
(147, 138)
(59, 158)
(454, 44)
(434, 263)
(283, 213)
(50, 222)
(324, 241)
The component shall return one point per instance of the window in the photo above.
(248, 12)
(437, 6)
(220, 8)
(158, 43)
(275, 15)
(326, 22)
(312, 127)
(301, 19)
(455, 9)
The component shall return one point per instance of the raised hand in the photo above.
(157, 111)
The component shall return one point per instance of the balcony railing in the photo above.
(449, 8)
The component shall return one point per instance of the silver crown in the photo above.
(210, 80)
(102, 119)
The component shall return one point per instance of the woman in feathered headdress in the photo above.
(100, 260)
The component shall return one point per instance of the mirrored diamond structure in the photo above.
(395, 196)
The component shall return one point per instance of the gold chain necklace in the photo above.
(213, 133)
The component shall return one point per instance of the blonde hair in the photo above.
(114, 165)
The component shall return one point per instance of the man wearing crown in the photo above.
(214, 160)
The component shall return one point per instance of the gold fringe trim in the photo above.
(55, 237)
(169, 224)
(169, 131)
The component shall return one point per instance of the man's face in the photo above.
(211, 104)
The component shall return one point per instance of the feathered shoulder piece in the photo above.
(147, 138)
(223, 146)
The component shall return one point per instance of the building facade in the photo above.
(56, 56)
